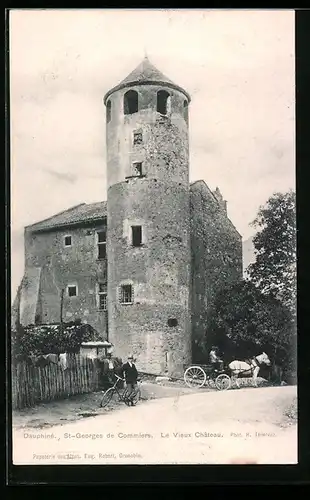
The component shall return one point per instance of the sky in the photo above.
(237, 65)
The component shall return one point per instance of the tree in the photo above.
(274, 270)
(244, 322)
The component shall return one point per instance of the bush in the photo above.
(54, 338)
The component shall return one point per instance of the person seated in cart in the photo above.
(215, 360)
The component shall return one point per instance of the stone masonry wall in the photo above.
(164, 150)
(159, 271)
(216, 254)
(62, 266)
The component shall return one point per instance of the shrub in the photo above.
(53, 338)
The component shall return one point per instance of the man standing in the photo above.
(131, 376)
(110, 367)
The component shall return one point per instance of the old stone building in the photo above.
(143, 267)
(66, 268)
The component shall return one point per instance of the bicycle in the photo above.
(133, 398)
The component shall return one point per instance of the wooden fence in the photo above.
(34, 384)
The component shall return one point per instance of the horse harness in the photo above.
(255, 362)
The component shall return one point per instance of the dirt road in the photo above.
(207, 427)
(62, 411)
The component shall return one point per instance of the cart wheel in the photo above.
(223, 382)
(194, 376)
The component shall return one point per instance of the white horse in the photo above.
(248, 368)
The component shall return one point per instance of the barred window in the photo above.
(137, 138)
(126, 294)
(102, 296)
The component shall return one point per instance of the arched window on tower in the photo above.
(185, 108)
(130, 102)
(109, 105)
(163, 102)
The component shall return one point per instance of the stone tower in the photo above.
(148, 235)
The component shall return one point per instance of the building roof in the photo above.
(91, 212)
(98, 343)
(72, 216)
(145, 74)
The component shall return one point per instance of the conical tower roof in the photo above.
(145, 74)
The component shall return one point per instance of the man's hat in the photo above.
(130, 356)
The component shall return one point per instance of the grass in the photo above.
(291, 413)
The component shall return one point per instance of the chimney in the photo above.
(223, 203)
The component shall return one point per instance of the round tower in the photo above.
(148, 235)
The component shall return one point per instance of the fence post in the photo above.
(34, 384)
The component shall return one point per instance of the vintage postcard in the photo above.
(153, 256)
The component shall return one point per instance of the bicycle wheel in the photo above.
(223, 382)
(106, 398)
(135, 398)
(125, 398)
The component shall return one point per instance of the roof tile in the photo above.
(145, 73)
(78, 214)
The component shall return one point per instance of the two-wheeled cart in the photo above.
(205, 375)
